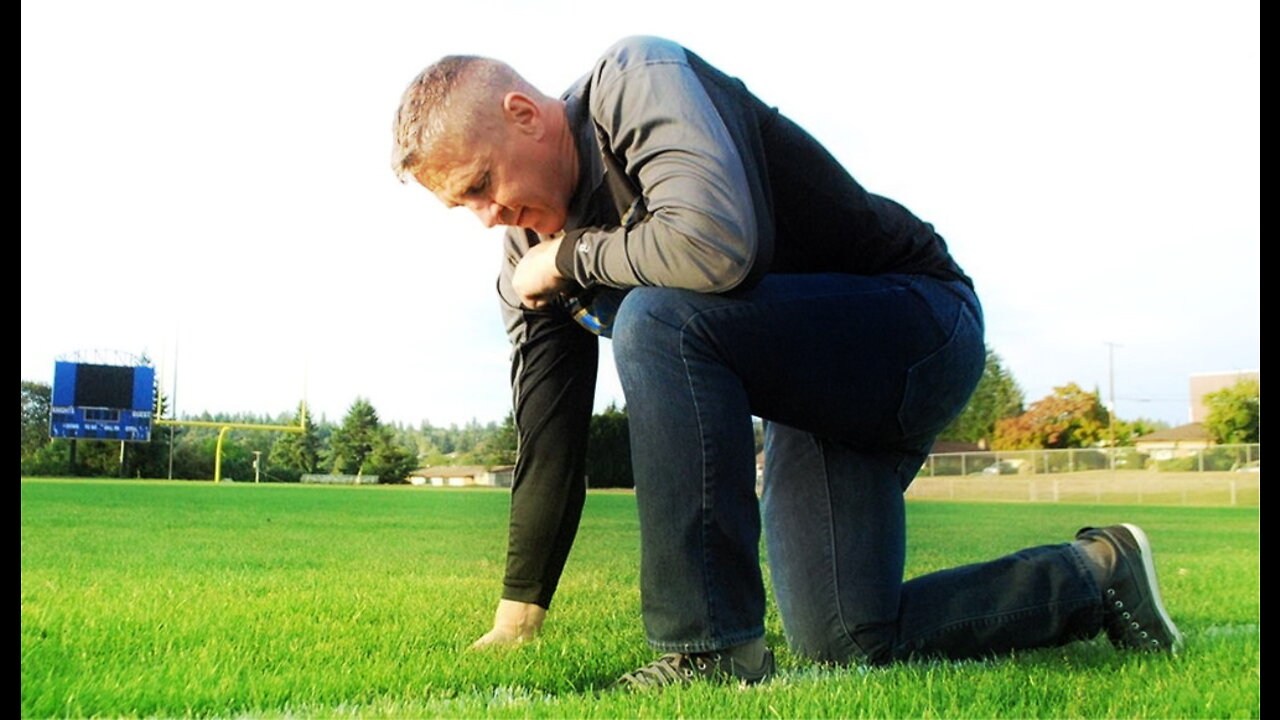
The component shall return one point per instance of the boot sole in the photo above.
(1149, 567)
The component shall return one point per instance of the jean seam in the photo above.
(707, 570)
(832, 554)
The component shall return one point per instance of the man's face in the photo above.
(505, 177)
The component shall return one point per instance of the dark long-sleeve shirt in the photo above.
(686, 180)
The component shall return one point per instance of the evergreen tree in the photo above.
(295, 454)
(390, 459)
(498, 445)
(362, 446)
(609, 449)
(352, 443)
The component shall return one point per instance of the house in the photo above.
(956, 446)
(1181, 441)
(462, 476)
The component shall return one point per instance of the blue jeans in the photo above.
(854, 377)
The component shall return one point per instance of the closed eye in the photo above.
(479, 186)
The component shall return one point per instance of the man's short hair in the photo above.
(451, 101)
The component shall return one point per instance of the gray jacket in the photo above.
(686, 180)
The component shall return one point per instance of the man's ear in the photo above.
(523, 112)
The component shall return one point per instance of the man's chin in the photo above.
(547, 225)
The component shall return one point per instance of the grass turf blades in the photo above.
(155, 599)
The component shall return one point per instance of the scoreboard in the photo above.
(102, 402)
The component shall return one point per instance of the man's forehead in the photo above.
(452, 175)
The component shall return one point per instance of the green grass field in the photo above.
(157, 599)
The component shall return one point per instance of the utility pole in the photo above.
(1111, 416)
(173, 403)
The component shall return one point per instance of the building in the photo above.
(1204, 383)
(956, 446)
(1182, 441)
(462, 476)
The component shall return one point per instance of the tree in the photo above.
(40, 454)
(996, 397)
(151, 459)
(294, 454)
(36, 400)
(363, 446)
(609, 449)
(498, 445)
(352, 443)
(390, 460)
(1235, 413)
(1069, 418)
(1129, 430)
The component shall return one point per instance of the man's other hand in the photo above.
(514, 623)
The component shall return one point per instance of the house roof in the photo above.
(1190, 431)
(953, 446)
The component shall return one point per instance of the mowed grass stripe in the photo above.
(157, 599)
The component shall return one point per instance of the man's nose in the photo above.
(490, 213)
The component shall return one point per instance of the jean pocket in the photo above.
(938, 386)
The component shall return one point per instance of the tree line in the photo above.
(996, 417)
(360, 444)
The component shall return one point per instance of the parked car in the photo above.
(1001, 467)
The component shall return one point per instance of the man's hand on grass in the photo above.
(514, 623)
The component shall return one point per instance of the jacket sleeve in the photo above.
(553, 376)
(697, 228)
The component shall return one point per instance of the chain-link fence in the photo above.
(1216, 458)
(1217, 475)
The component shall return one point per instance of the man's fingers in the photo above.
(497, 638)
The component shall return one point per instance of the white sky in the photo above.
(208, 183)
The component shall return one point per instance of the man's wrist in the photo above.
(565, 255)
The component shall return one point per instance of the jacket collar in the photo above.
(583, 203)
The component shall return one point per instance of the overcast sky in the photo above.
(209, 183)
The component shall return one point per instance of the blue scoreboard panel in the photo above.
(101, 402)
